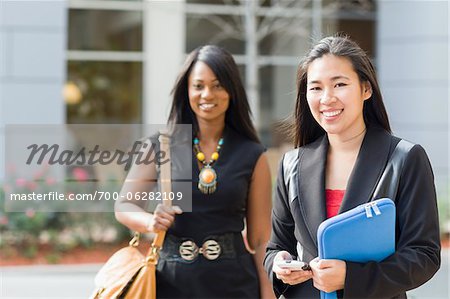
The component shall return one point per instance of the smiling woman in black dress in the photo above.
(231, 187)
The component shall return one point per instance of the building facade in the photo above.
(115, 61)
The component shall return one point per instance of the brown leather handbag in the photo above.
(128, 274)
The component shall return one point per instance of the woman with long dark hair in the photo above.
(204, 254)
(343, 144)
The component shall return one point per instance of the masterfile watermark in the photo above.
(97, 196)
(89, 168)
(52, 155)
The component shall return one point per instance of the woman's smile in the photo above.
(206, 107)
(332, 114)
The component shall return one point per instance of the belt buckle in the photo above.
(188, 250)
(210, 250)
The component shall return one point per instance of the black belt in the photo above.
(213, 247)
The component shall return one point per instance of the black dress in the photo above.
(232, 275)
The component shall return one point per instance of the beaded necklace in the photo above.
(207, 179)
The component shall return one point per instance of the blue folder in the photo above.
(362, 234)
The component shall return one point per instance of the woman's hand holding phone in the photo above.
(293, 265)
(289, 271)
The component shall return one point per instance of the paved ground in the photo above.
(47, 281)
(76, 282)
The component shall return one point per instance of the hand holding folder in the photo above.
(362, 234)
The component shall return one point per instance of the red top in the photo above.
(333, 201)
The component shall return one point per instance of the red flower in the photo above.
(50, 181)
(4, 220)
(80, 174)
(32, 186)
(38, 175)
(21, 182)
(30, 213)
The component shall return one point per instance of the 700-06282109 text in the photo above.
(97, 195)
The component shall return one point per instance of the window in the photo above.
(283, 34)
(107, 30)
(104, 80)
(111, 92)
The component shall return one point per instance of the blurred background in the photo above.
(115, 62)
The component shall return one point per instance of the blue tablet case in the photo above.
(362, 234)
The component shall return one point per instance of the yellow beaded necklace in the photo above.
(207, 179)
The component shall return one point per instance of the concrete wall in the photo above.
(412, 63)
(32, 64)
(164, 46)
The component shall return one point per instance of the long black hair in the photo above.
(238, 115)
(305, 129)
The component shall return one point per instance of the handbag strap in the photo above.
(166, 188)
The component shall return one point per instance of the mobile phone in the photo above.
(293, 265)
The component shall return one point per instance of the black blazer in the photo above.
(299, 208)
